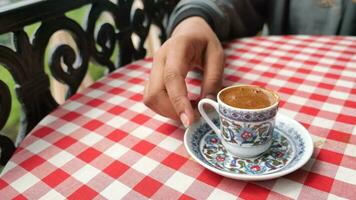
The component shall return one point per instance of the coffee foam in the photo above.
(248, 97)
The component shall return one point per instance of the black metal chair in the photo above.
(26, 61)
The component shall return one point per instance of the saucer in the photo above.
(291, 148)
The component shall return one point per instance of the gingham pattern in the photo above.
(105, 144)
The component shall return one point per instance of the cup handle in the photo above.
(205, 116)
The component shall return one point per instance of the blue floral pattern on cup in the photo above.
(247, 133)
(248, 116)
(244, 132)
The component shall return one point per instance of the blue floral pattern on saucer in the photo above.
(291, 148)
(277, 157)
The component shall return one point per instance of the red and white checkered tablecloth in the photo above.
(105, 144)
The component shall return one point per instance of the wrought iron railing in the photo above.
(26, 61)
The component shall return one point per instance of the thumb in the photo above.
(213, 71)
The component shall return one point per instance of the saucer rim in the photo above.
(309, 147)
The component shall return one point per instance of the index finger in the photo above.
(175, 71)
(155, 93)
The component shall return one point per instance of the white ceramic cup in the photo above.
(243, 132)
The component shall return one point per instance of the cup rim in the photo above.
(248, 109)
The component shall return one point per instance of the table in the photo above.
(104, 143)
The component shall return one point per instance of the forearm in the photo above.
(228, 18)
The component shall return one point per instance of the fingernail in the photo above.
(185, 121)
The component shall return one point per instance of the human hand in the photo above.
(192, 44)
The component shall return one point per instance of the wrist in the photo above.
(191, 25)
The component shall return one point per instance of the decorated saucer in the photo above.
(291, 148)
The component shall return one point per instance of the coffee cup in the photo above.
(247, 117)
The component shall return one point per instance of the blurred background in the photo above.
(59, 90)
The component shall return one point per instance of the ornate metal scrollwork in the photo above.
(125, 26)
(32, 87)
(74, 75)
(159, 14)
(67, 64)
(106, 38)
(6, 145)
(128, 21)
(5, 104)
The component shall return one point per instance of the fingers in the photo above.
(155, 95)
(160, 103)
(166, 91)
(213, 71)
(175, 71)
